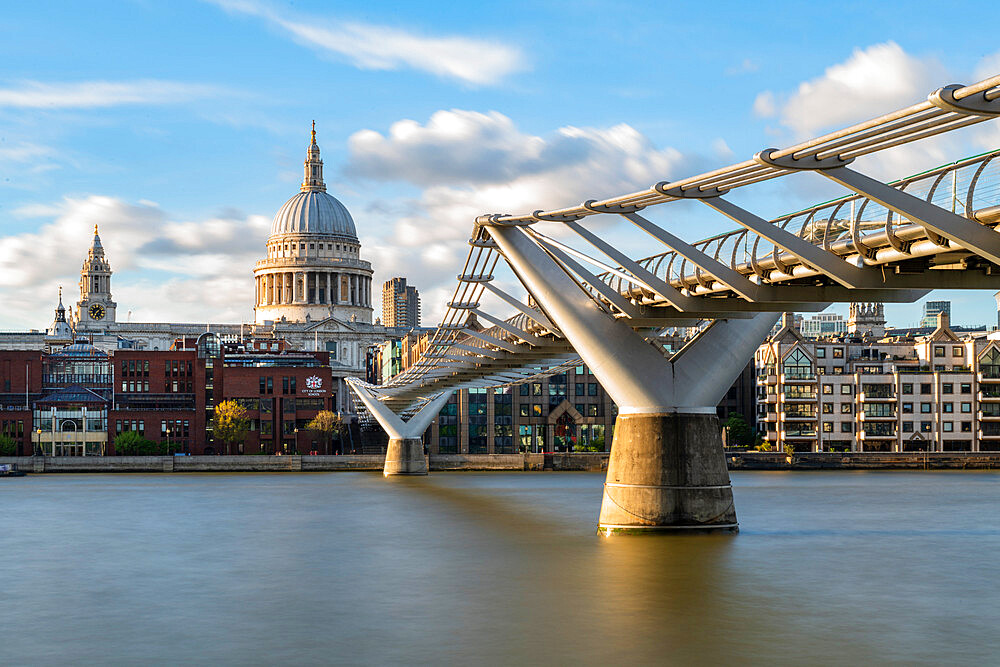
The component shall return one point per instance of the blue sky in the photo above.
(181, 127)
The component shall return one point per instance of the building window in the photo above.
(948, 407)
(947, 388)
(907, 427)
(594, 410)
(845, 408)
(908, 408)
(966, 427)
(291, 381)
(828, 389)
(925, 388)
(821, 353)
(947, 427)
(838, 353)
(939, 350)
(828, 408)
(907, 388)
(956, 351)
(925, 408)
(797, 366)
(966, 407)
(592, 389)
(925, 427)
(536, 410)
(989, 364)
(966, 387)
(846, 389)
(827, 427)
(524, 409)
(580, 388)
(846, 427)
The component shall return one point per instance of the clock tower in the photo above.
(95, 306)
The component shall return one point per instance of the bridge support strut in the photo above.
(667, 471)
(405, 453)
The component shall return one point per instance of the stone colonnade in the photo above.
(313, 287)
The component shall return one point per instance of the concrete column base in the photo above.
(667, 472)
(405, 456)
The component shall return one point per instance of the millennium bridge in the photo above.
(884, 242)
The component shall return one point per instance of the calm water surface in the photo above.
(461, 568)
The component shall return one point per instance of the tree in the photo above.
(230, 424)
(739, 433)
(327, 424)
(131, 443)
(8, 446)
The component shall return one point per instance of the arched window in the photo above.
(797, 366)
(989, 363)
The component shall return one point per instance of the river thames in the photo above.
(493, 568)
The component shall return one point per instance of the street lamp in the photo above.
(168, 441)
(38, 442)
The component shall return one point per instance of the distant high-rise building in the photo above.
(824, 324)
(400, 304)
(931, 310)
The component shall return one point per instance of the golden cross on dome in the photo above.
(314, 132)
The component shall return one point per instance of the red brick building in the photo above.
(76, 400)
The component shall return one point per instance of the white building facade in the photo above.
(940, 392)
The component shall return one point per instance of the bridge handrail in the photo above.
(837, 234)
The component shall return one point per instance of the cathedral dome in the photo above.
(314, 212)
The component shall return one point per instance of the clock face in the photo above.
(96, 311)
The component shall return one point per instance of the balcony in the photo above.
(799, 376)
(989, 411)
(989, 374)
(990, 430)
(801, 396)
(865, 417)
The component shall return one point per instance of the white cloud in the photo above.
(165, 270)
(764, 104)
(368, 46)
(25, 152)
(95, 94)
(471, 163)
(747, 66)
(872, 81)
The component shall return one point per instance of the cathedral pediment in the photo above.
(330, 325)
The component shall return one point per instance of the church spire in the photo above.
(60, 309)
(313, 181)
(96, 248)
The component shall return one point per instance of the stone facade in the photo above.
(934, 392)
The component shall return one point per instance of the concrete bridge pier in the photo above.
(405, 456)
(667, 471)
(405, 453)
